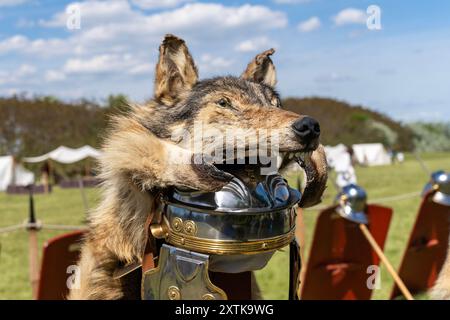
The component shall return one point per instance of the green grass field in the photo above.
(66, 207)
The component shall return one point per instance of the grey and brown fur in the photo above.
(441, 289)
(138, 153)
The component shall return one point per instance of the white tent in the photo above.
(66, 155)
(13, 174)
(371, 154)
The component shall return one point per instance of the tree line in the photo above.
(33, 126)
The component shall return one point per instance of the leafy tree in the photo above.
(431, 136)
(117, 103)
(387, 136)
(33, 126)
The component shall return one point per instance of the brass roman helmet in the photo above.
(233, 230)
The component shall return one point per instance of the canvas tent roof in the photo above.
(66, 155)
(13, 174)
(371, 154)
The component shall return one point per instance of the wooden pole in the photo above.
(300, 235)
(45, 176)
(386, 262)
(51, 175)
(45, 182)
(33, 230)
(83, 194)
(33, 261)
(13, 173)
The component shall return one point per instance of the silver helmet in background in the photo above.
(352, 202)
(440, 181)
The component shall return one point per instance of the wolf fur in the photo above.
(441, 289)
(139, 153)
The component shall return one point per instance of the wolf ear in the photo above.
(261, 69)
(175, 71)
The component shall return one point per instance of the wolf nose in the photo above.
(307, 129)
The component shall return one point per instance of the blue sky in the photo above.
(324, 48)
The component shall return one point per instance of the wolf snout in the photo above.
(307, 129)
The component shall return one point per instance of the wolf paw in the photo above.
(209, 177)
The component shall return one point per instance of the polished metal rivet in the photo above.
(177, 224)
(190, 228)
(173, 293)
(208, 296)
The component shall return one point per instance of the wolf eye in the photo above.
(224, 103)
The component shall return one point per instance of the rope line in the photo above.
(44, 226)
(379, 200)
(318, 207)
(11, 228)
(398, 197)
(62, 227)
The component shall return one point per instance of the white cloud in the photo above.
(94, 13)
(25, 70)
(107, 63)
(333, 77)
(54, 76)
(98, 64)
(13, 43)
(11, 3)
(216, 17)
(120, 40)
(155, 4)
(116, 27)
(20, 43)
(255, 44)
(25, 23)
(291, 1)
(309, 25)
(114, 14)
(3, 77)
(20, 74)
(10, 91)
(209, 62)
(142, 69)
(350, 16)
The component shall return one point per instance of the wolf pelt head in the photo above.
(157, 145)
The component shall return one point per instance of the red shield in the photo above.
(337, 267)
(427, 247)
(59, 253)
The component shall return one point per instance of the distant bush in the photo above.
(35, 126)
(431, 136)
